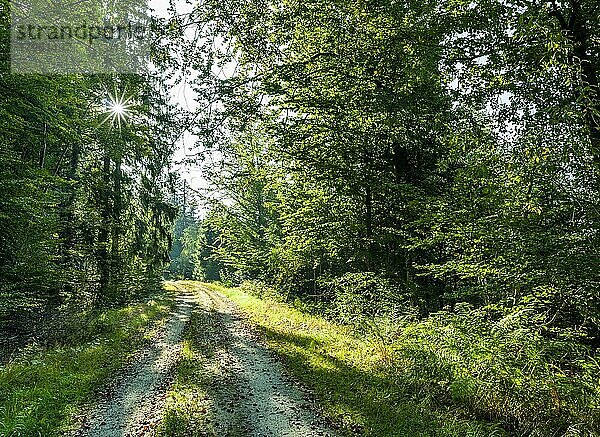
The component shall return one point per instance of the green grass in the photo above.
(448, 375)
(41, 392)
(187, 403)
(354, 380)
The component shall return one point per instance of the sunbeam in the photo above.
(117, 109)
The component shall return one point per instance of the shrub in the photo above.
(360, 297)
(502, 371)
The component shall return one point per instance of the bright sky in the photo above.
(183, 95)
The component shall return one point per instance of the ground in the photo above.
(244, 388)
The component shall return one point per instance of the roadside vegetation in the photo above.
(408, 192)
(452, 374)
(425, 176)
(43, 389)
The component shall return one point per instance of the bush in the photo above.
(260, 289)
(359, 297)
(502, 371)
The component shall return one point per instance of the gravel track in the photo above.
(248, 392)
(255, 397)
(134, 405)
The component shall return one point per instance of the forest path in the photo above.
(135, 402)
(250, 394)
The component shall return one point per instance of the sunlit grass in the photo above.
(452, 374)
(188, 404)
(201, 379)
(359, 387)
(41, 392)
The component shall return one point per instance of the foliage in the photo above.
(447, 150)
(466, 372)
(84, 210)
(427, 167)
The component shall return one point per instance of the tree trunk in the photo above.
(68, 217)
(104, 234)
(117, 210)
(371, 247)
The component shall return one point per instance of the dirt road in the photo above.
(250, 394)
(247, 391)
(134, 405)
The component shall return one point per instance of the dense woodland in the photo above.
(434, 162)
(85, 211)
(417, 160)
(421, 153)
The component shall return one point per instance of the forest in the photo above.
(423, 173)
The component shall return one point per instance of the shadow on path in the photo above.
(135, 405)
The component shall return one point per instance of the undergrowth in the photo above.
(43, 389)
(451, 374)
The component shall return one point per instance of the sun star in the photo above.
(117, 109)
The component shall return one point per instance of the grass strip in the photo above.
(42, 392)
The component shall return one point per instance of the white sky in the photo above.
(183, 96)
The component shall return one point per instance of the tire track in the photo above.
(134, 407)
